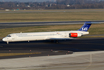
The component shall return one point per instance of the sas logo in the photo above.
(85, 28)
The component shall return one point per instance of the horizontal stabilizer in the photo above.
(88, 22)
(87, 25)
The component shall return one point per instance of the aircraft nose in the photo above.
(3, 39)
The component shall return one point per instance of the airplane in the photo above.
(54, 36)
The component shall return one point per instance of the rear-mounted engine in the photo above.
(75, 35)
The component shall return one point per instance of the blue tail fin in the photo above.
(86, 26)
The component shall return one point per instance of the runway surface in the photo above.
(45, 48)
(46, 11)
(88, 54)
(25, 24)
(92, 60)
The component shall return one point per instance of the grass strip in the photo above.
(95, 29)
(52, 16)
(16, 54)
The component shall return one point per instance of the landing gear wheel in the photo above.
(54, 41)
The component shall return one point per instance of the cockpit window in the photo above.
(8, 36)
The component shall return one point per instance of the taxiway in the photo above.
(82, 54)
(47, 48)
(88, 55)
(25, 24)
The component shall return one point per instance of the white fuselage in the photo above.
(41, 36)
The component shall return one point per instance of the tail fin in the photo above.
(86, 26)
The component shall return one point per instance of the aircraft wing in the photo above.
(61, 38)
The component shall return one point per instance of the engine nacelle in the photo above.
(75, 35)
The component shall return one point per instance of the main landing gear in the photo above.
(54, 41)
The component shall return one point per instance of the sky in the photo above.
(26, 0)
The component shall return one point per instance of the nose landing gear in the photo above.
(7, 42)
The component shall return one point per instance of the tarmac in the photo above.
(77, 61)
(87, 54)
(48, 48)
(27, 24)
(46, 11)
(78, 54)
